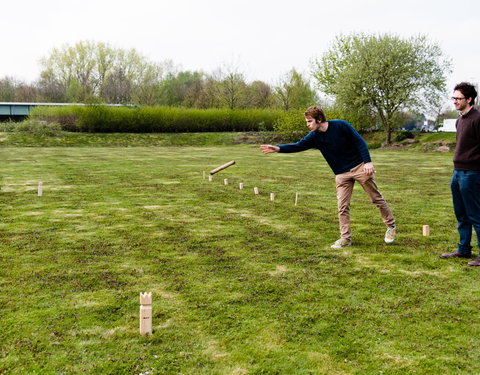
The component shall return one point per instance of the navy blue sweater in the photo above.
(341, 146)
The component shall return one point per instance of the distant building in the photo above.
(448, 125)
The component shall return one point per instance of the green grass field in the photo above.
(241, 285)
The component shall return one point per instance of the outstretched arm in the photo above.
(302, 145)
(268, 149)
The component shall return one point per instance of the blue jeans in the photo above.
(465, 187)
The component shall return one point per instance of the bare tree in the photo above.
(7, 89)
(117, 88)
(233, 90)
(50, 88)
(25, 92)
(260, 95)
(210, 95)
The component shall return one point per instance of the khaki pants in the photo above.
(344, 183)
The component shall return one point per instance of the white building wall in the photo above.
(448, 126)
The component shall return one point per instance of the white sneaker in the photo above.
(342, 242)
(390, 234)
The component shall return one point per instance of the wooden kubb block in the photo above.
(145, 313)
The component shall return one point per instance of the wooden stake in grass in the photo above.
(426, 230)
(40, 189)
(145, 313)
(204, 175)
(272, 196)
(210, 178)
(240, 186)
(255, 190)
(225, 181)
(222, 167)
(296, 198)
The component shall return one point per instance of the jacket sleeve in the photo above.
(305, 143)
(361, 145)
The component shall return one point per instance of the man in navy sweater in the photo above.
(465, 183)
(346, 153)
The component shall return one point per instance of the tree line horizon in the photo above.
(367, 77)
(95, 72)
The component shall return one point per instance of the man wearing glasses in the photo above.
(465, 183)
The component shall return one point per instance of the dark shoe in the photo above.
(455, 254)
(475, 262)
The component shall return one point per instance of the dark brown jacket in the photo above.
(467, 151)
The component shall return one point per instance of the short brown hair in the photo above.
(315, 112)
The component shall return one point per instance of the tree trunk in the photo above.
(387, 125)
(389, 133)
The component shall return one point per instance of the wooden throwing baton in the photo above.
(218, 169)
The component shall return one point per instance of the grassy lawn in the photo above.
(241, 285)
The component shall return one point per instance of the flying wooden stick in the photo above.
(218, 169)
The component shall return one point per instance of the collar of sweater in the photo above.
(465, 114)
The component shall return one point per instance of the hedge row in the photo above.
(105, 119)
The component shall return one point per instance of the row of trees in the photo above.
(369, 78)
(96, 72)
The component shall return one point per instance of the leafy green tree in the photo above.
(363, 120)
(295, 92)
(181, 89)
(146, 84)
(383, 73)
(75, 68)
(76, 92)
(89, 69)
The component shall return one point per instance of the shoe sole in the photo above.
(389, 241)
(339, 247)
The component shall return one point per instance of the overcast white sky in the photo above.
(263, 38)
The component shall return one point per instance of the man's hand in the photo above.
(368, 169)
(267, 149)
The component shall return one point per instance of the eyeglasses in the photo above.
(456, 99)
